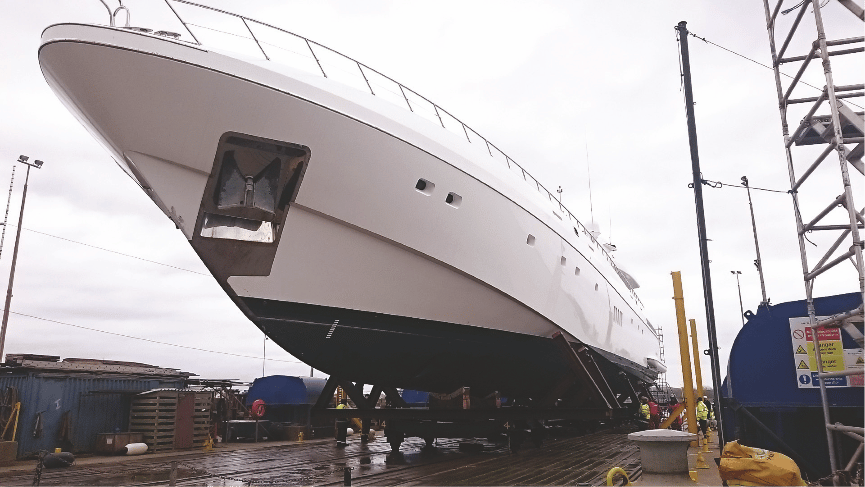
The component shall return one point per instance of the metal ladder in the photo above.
(661, 386)
(841, 127)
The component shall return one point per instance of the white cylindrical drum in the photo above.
(136, 448)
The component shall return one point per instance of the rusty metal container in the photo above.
(114, 443)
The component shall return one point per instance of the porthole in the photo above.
(564, 260)
(576, 271)
(596, 286)
(530, 240)
(454, 200)
(424, 186)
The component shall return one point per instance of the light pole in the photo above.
(37, 164)
(741, 309)
(758, 262)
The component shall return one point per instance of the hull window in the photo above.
(530, 240)
(576, 271)
(564, 260)
(454, 200)
(424, 186)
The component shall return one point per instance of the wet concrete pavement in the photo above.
(566, 460)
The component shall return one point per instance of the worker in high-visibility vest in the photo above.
(342, 425)
(644, 409)
(712, 423)
(702, 415)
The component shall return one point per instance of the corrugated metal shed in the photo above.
(93, 399)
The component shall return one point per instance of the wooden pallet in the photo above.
(171, 419)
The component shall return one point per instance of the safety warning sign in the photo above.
(833, 355)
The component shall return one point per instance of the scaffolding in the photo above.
(814, 138)
(661, 389)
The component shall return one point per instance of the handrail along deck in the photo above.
(403, 89)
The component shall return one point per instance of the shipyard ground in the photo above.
(565, 460)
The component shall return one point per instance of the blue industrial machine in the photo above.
(770, 398)
(288, 402)
(415, 399)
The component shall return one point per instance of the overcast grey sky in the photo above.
(546, 81)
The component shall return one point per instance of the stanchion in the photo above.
(701, 462)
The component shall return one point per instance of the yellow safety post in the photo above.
(688, 389)
(16, 410)
(617, 472)
(300, 437)
(697, 373)
(701, 462)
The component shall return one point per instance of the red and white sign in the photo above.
(823, 334)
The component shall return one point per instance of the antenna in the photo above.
(6, 218)
(588, 171)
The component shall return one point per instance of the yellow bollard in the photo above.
(208, 444)
(701, 462)
(617, 472)
(300, 436)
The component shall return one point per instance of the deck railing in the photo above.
(385, 87)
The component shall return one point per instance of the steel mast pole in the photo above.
(701, 221)
(739, 287)
(14, 258)
(758, 262)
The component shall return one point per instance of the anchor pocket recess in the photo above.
(246, 199)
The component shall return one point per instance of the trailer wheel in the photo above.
(430, 442)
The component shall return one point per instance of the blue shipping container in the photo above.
(93, 404)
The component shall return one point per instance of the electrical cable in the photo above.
(759, 63)
(111, 251)
(719, 184)
(151, 341)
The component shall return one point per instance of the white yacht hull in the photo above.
(473, 268)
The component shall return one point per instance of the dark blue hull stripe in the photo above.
(420, 354)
